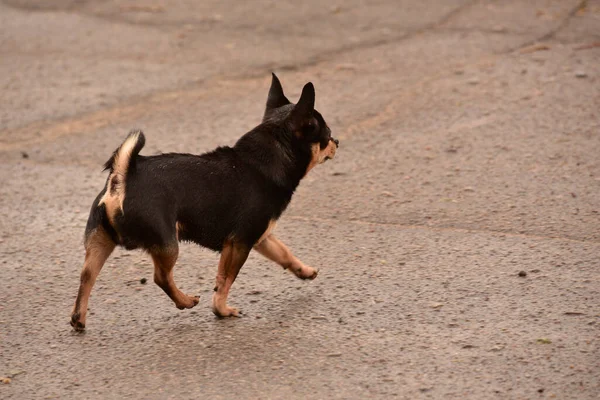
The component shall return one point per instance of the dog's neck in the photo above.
(269, 150)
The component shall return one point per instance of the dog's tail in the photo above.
(125, 154)
(120, 163)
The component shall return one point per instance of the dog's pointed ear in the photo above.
(303, 111)
(276, 97)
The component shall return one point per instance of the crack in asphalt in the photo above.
(44, 131)
(550, 34)
(368, 44)
(50, 130)
(487, 31)
(438, 228)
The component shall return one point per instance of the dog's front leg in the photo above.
(233, 256)
(273, 249)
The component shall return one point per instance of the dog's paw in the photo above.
(221, 309)
(189, 302)
(306, 273)
(226, 311)
(77, 325)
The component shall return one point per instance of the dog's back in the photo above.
(155, 201)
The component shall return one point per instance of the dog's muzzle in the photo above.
(333, 150)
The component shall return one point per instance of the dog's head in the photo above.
(306, 124)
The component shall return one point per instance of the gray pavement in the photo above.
(470, 135)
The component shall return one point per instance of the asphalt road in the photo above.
(470, 143)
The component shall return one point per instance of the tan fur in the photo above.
(273, 249)
(98, 247)
(270, 228)
(319, 156)
(233, 256)
(164, 261)
(178, 229)
(113, 205)
(114, 202)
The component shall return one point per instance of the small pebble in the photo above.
(143, 281)
(580, 74)
(522, 274)
(24, 154)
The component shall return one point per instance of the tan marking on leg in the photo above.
(98, 247)
(273, 249)
(270, 228)
(233, 256)
(164, 261)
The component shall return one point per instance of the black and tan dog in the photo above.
(227, 200)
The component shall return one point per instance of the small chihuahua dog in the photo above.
(227, 200)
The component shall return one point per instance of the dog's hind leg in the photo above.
(233, 256)
(98, 246)
(164, 261)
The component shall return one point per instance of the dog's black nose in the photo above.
(337, 142)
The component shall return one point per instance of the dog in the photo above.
(227, 200)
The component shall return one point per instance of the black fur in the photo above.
(231, 193)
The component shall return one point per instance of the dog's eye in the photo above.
(312, 128)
